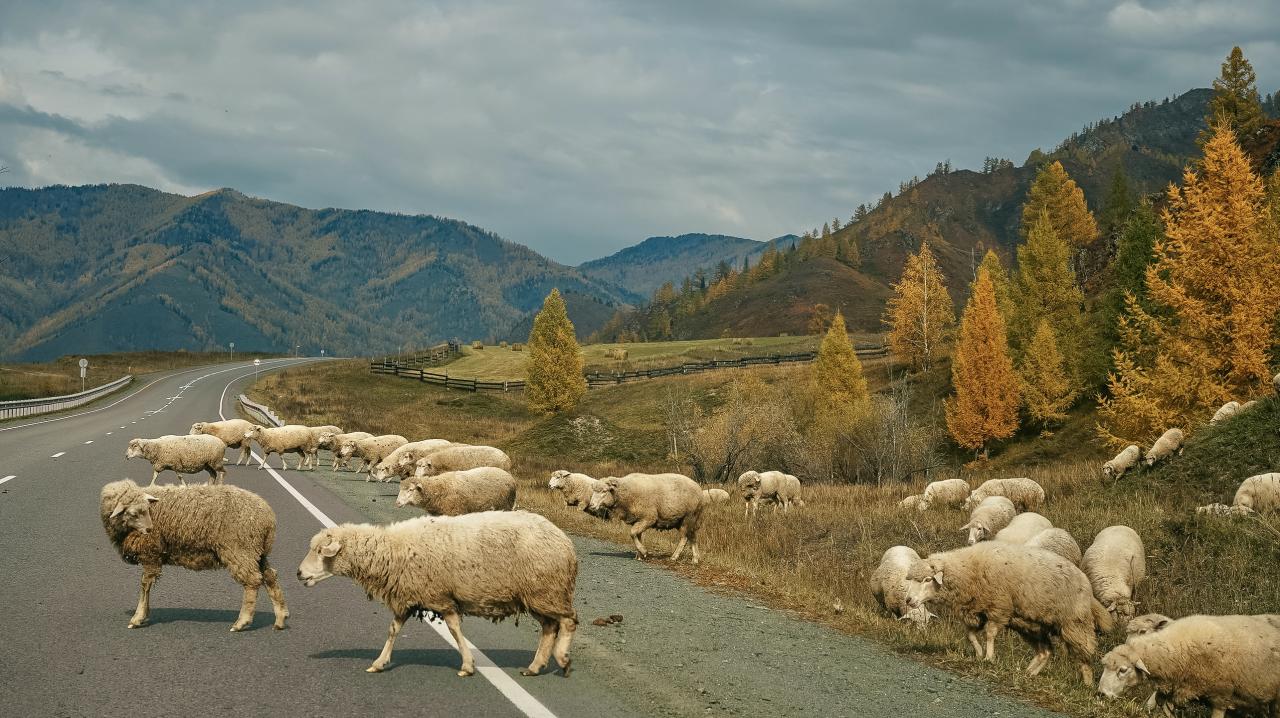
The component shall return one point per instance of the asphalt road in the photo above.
(65, 650)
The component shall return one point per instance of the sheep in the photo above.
(575, 488)
(659, 501)
(888, 585)
(1123, 461)
(951, 493)
(770, 486)
(1258, 494)
(1218, 510)
(371, 451)
(288, 439)
(199, 528)
(311, 450)
(453, 493)
(1146, 623)
(493, 564)
(912, 502)
(1169, 442)
(399, 463)
(461, 458)
(1275, 383)
(1025, 494)
(715, 496)
(230, 431)
(1226, 411)
(1227, 661)
(1115, 564)
(334, 442)
(185, 454)
(1023, 528)
(992, 585)
(993, 514)
(1248, 405)
(1057, 541)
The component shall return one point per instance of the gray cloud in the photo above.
(580, 127)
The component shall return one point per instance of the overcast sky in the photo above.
(578, 128)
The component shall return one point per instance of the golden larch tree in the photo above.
(920, 314)
(838, 383)
(1047, 389)
(985, 405)
(554, 380)
(1204, 335)
(1054, 191)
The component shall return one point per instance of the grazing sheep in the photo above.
(1025, 494)
(1115, 564)
(888, 584)
(1260, 494)
(1275, 383)
(950, 493)
(461, 458)
(1146, 623)
(454, 493)
(1169, 442)
(289, 439)
(769, 486)
(1058, 541)
(993, 514)
(1023, 528)
(1248, 405)
(1226, 411)
(716, 496)
(659, 501)
(575, 488)
(185, 454)
(992, 585)
(914, 502)
(371, 451)
(199, 528)
(334, 442)
(230, 431)
(1227, 661)
(1218, 510)
(311, 450)
(399, 463)
(493, 565)
(1124, 461)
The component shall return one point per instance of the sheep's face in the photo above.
(134, 511)
(423, 467)
(326, 439)
(1108, 471)
(410, 493)
(318, 563)
(346, 449)
(1121, 670)
(923, 582)
(197, 428)
(1150, 623)
(977, 532)
(603, 498)
(1122, 609)
(254, 432)
(749, 483)
(134, 450)
(557, 479)
(381, 471)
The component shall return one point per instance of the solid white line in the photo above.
(10, 476)
(505, 684)
(60, 453)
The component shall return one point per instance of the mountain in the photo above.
(113, 267)
(642, 268)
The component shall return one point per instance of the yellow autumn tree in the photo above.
(839, 388)
(1047, 390)
(920, 314)
(1054, 191)
(1204, 334)
(554, 381)
(985, 405)
(999, 282)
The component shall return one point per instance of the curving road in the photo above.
(65, 650)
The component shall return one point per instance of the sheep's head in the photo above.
(1108, 470)
(971, 501)
(423, 467)
(1122, 608)
(381, 471)
(197, 428)
(978, 531)
(406, 458)
(326, 439)
(603, 498)
(346, 448)
(254, 431)
(318, 563)
(923, 582)
(132, 510)
(135, 449)
(411, 492)
(557, 479)
(749, 484)
(1122, 669)
(1148, 623)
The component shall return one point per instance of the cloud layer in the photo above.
(579, 127)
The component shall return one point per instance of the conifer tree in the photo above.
(1045, 288)
(554, 380)
(1054, 191)
(985, 405)
(920, 313)
(1235, 98)
(1119, 205)
(1213, 304)
(837, 376)
(1000, 283)
(1047, 392)
(1134, 248)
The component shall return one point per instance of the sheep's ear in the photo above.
(937, 578)
(118, 510)
(1141, 667)
(1162, 623)
(331, 549)
(150, 499)
(966, 527)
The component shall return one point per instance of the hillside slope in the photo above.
(642, 268)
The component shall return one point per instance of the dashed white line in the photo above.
(90, 441)
(10, 476)
(60, 453)
(109, 433)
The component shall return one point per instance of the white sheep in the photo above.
(1123, 461)
(1169, 442)
(1059, 541)
(993, 514)
(658, 501)
(184, 454)
(334, 443)
(1023, 528)
(1115, 564)
(493, 565)
(311, 450)
(992, 585)
(399, 463)
(1228, 662)
(950, 493)
(1146, 623)
(716, 496)
(889, 585)
(1219, 510)
(1025, 494)
(1258, 494)
(453, 493)
(461, 458)
(230, 431)
(1226, 411)
(1275, 383)
(371, 451)
(782, 490)
(288, 439)
(575, 488)
(912, 502)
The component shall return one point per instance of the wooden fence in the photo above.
(431, 356)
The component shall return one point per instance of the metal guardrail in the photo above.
(44, 405)
(257, 411)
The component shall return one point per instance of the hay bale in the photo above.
(517, 347)
(477, 344)
(617, 353)
(502, 344)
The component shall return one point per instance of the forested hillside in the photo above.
(644, 267)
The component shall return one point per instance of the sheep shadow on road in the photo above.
(438, 657)
(161, 616)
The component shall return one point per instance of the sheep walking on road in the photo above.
(231, 432)
(199, 528)
(400, 462)
(311, 450)
(334, 443)
(371, 451)
(657, 501)
(184, 454)
(461, 458)
(289, 439)
(454, 493)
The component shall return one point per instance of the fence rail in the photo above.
(431, 356)
(599, 379)
(44, 405)
(260, 412)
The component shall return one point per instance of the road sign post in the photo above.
(84, 366)
(233, 351)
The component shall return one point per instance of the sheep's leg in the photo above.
(545, 642)
(181, 479)
(977, 644)
(1037, 664)
(1086, 673)
(564, 637)
(990, 630)
(454, 622)
(215, 476)
(247, 574)
(154, 473)
(244, 454)
(277, 596)
(637, 532)
(380, 664)
(684, 538)
(149, 576)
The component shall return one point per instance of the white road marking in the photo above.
(10, 476)
(60, 453)
(90, 441)
(109, 433)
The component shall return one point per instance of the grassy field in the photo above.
(62, 376)
(816, 561)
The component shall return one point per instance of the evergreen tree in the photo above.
(835, 225)
(1045, 288)
(1214, 301)
(554, 380)
(1046, 388)
(837, 376)
(1000, 284)
(1134, 253)
(920, 314)
(1119, 204)
(1054, 191)
(985, 405)
(826, 230)
(1235, 98)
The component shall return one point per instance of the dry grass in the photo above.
(62, 376)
